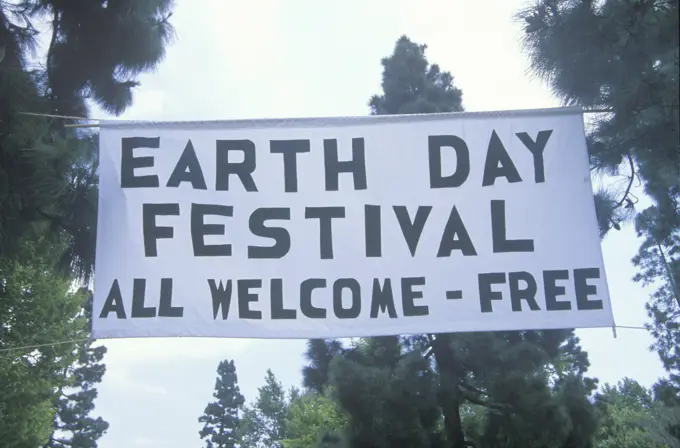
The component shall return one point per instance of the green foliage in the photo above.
(621, 56)
(221, 417)
(98, 47)
(59, 187)
(518, 390)
(46, 394)
(390, 398)
(74, 401)
(47, 172)
(667, 393)
(542, 417)
(264, 423)
(530, 386)
(631, 418)
(412, 86)
(320, 353)
(658, 263)
(312, 420)
(48, 186)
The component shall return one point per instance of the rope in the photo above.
(96, 125)
(49, 344)
(69, 117)
(63, 117)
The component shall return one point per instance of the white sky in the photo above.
(264, 59)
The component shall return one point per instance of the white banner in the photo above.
(315, 228)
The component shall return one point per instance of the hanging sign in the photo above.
(318, 228)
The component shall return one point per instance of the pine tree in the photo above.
(74, 399)
(411, 85)
(48, 188)
(320, 353)
(529, 387)
(622, 56)
(523, 390)
(390, 396)
(96, 50)
(221, 417)
(264, 423)
(658, 263)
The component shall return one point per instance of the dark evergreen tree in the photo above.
(221, 417)
(658, 263)
(96, 50)
(48, 175)
(98, 47)
(48, 184)
(666, 392)
(529, 387)
(622, 56)
(320, 353)
(388, 394)
(619, 56)
(412, 86)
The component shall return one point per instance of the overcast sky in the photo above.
(296, 58)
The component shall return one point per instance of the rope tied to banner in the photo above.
(75, 341)
(96, 125)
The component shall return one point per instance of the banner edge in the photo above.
(250, 123)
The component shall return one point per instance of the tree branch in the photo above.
(485, 403)
(53, 41)
(472, 388)
(630, 182)
(598, 111)
(609, 110)
(61, 441)
(57, 220)
(669, 273)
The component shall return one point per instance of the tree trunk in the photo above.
(671, 278)
(449, 391)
